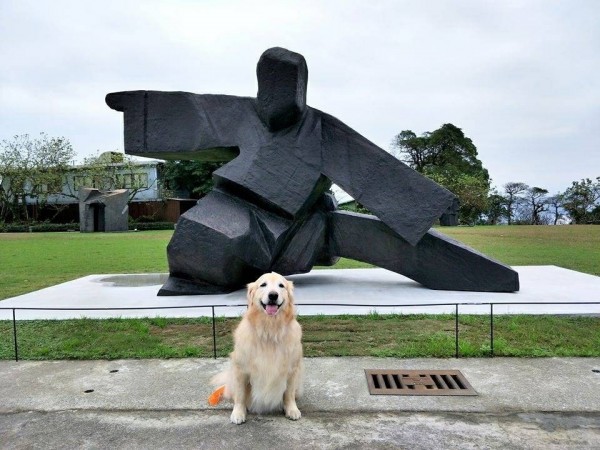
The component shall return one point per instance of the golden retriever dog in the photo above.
(265, 373)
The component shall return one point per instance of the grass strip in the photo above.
(404, 336)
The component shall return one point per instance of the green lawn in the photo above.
(31, 261)
(575, 247)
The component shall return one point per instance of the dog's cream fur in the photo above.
(265, 374)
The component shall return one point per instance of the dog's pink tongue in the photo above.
(271, 309)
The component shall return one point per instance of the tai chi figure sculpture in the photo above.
(270, 209)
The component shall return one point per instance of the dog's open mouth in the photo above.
(270, 308)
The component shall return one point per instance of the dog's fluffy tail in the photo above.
(223, 380)
(215, 398)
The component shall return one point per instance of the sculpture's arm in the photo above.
(402, 198)
(181, 125)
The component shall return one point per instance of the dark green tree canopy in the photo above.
(189, 178)
(496, 208)
(446, 149)
(582, 200)
(448, 157)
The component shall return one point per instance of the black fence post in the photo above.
(492, 330)
(15, 336)
(456, 330)
(214, 333)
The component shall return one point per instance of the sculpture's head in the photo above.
(282, 79)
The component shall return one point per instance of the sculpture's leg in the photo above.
(219, 245)
(437, 262)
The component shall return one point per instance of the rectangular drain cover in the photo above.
(417, 382)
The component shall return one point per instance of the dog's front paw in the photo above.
(293, 413)
(238, 415)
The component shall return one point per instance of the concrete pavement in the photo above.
(550, 403)
(522, 403)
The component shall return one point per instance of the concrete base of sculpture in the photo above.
(318, 292)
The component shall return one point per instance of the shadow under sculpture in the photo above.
(270, 209)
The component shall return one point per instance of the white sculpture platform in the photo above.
(362, 291)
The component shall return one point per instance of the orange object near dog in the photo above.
(215, 398)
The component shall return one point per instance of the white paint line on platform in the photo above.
(322, 287)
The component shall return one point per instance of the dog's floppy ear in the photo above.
(290, 289)
(251, 290)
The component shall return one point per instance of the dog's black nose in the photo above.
(273, 296)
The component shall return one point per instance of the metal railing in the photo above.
(345, 305)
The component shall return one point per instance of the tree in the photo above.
(537, 204)
(193, 178)
(447, 156)
(31, 169)
(513, 198)
(496, 208)
(413, 150)
(443, 148)
(471, 190)
(555, 202)
(595, 215)
(581, 199)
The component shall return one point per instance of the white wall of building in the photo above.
(75, 179)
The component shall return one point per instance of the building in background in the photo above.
(59, 203)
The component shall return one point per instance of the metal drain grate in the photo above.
(417, 382)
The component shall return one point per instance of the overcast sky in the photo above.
(520, 78)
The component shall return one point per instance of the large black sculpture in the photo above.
(270, 209)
